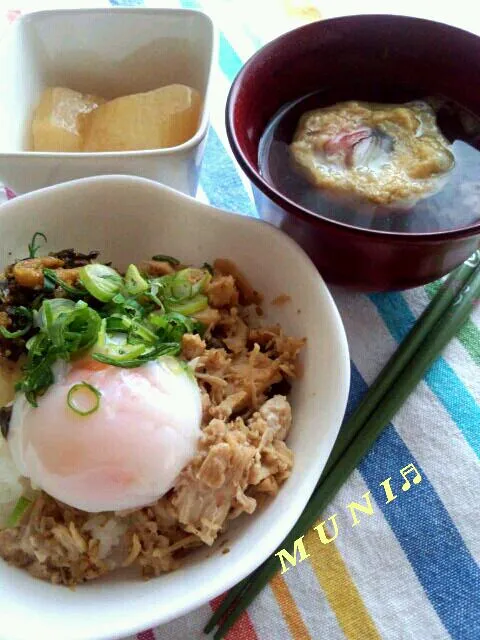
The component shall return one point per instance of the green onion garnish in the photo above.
(75, 331)
(101, 282)
(22, 312)
(33, 247)
(134, 283)
(51, 279)
(49, 285)
(189, 282)
(118, 353)
(52, 309)
(67, 331)
(119, 321)
(19, 510)
(83, 391)
(165, 349)
(184, 285)
(161, 258)
(190, 307)
(171, 326)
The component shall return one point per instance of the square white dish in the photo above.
(110, 52)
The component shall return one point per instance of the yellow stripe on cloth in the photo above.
(341, 592)
(302, 9)
(289, 608)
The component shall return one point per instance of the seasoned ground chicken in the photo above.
(156, 267)
(29, 273)
(222, 292)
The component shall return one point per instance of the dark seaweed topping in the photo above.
(5, 415)
(161, 258)
(73, 259)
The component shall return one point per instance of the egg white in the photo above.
(128, 453)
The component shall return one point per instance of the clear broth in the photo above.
(456, 206)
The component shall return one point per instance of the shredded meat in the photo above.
(209, 317)
(242, 458)
(222, 292)
(192, 346)
(233, 457)
(247, 292)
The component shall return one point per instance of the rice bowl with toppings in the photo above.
(129, 220)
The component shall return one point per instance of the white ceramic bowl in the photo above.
(111, 52)
(129, 219)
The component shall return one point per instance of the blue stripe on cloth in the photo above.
(220, 180)
(428, 536)
(441, 378)
(229, 60)
(190, 4)
(127, 3)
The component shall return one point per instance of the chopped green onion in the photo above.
(51, 279)
(12, 335)
(172, 326)
(134, 283)
(33, 247)
(153, 294)
(167, 348)
(93, 394)
(181, 286)
(190, 307)
(75, 331)
(136, 320)
(117, 323)
(101, 282)
(51, 309)
(189, 282)
(161, 258)
(120, 352)
(137, 331)
(66, 330)
(49, 285)
(19, 510)
(38, 368)
(121, 307)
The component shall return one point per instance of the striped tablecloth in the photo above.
(409, 570)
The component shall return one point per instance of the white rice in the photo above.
(10, 486)
(108, 530)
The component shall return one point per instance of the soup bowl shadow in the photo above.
(381, 58)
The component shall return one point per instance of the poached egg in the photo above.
(127, 453)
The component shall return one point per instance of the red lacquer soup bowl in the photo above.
(369, 57)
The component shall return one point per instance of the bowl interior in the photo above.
(372, 58)
(80, 49)
(129, 219)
